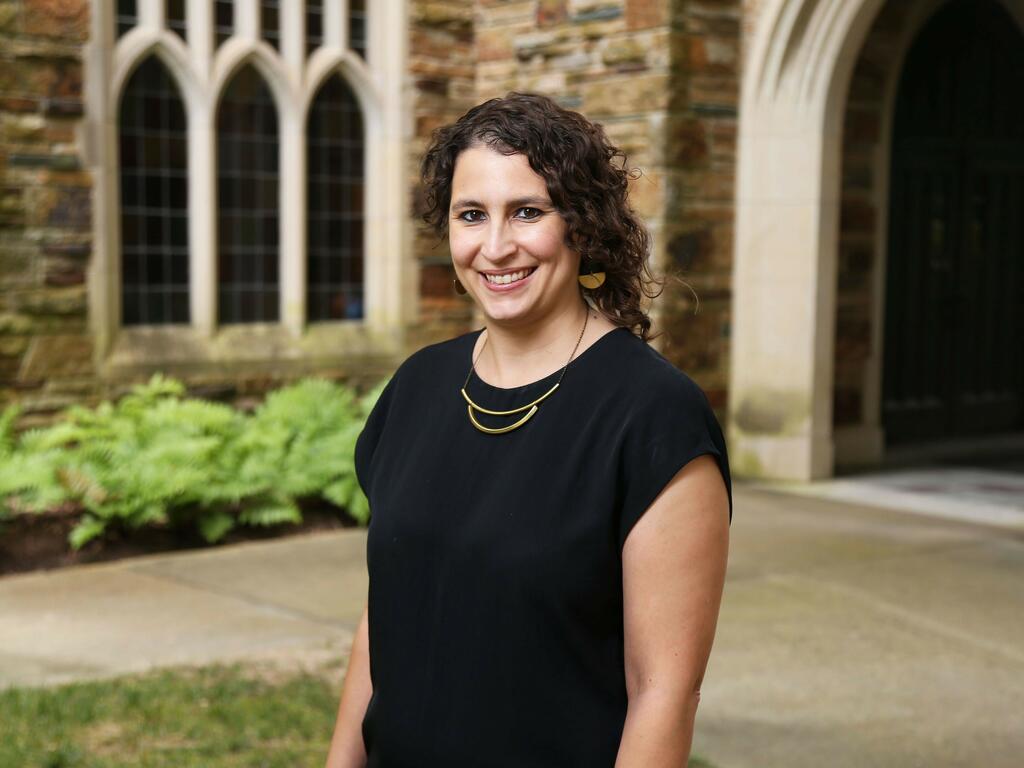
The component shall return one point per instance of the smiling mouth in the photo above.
(508, 277)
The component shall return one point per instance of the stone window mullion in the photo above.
(151, 13)
(335, 23)
(292, 48)
(199, 31)
(202, 168)
(247, 19)
(389, 291)
(293, 220)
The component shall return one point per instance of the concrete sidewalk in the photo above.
(849, 636)
(856, 637)
(301, 596)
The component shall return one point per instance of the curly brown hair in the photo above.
(586, 184)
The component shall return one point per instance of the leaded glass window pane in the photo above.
(176, 17)
(357, 26)
(247, 196)
(335, 199)
(127, 16)
(223, 20)
(314, 25)
(270, 22)
(152, 145)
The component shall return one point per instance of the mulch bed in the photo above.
(39, 540)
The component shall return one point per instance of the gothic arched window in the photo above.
(247, 202)
(334, 232)
(153, 155)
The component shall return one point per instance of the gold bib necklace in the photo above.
(530, 408)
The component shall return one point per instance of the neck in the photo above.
(520, 353)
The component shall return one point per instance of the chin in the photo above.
(505, 314)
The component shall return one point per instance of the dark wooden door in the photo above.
(953, 363)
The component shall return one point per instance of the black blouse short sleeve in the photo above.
(495, 597)
(369, 437)
(670, 423)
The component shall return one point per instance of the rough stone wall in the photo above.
(661, 77)
(700, 149)
(862, 165)
(45, 209)
(441, 71)
(609, 60)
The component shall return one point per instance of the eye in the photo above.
(536, 213)
(462, 215)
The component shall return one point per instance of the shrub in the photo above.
(156, 457)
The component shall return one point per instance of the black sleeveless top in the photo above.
(495, 597)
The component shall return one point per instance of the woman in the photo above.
(551, 498)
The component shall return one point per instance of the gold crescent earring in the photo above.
(588, 278)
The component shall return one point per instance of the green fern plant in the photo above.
(156, 458)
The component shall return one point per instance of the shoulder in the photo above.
(408, 387)
(666, 421)
(450, 353)
(418, 373)
(648, 378)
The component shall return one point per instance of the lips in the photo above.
(508, 277)
(506, 281)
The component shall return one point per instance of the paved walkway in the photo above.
(850, 636)
(974, 494)
(298, 596)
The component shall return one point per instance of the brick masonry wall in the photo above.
(45, 209)
(661, 77)
(862, 163)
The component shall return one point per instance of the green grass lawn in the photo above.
(213, 717)
(221, 716)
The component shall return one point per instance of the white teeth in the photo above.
(511, 277)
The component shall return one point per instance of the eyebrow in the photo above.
(517, 203)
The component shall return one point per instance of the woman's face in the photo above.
(508, 241)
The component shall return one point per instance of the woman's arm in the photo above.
(347, 748)
(673, 574)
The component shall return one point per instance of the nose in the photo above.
(498, 244)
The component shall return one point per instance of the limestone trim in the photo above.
(202, 74)
(787, 211)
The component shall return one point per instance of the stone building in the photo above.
(227, 191)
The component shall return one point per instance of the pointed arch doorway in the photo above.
(953, 361)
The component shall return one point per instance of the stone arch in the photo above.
(135, 48)
(864, 230)
(335, 209)
(793, 102)
(325, 63)
(794, 85)
(236, 54)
